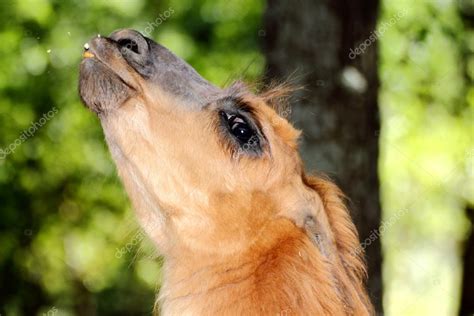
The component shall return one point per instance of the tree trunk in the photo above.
(309, 42)
(467, 296)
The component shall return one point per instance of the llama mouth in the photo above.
(106, 51)
(90, 57)
(106, 78)
(120, 65)
(101, 89)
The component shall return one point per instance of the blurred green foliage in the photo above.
(427, 152)
(69, 243)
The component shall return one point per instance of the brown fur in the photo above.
(239, 235)
(248, 252)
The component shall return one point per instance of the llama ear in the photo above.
(309, 214)
(327, 222)
(342, 231)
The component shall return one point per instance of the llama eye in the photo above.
(239, 127)
(242, 131)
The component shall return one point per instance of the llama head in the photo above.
(206, 168)
(214, 174)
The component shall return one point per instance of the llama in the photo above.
(217, 183)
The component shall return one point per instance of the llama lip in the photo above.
(87, 53)
(101, 49)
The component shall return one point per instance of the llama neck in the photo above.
(282, 273)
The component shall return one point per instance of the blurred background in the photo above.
(395, 78)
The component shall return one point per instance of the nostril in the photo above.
(132, 44)
(129, 44)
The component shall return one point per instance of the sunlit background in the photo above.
(69, 243)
